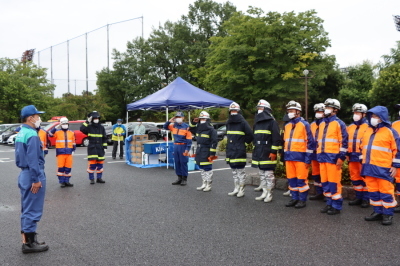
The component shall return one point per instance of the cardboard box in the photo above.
(140, 137)
(139, 149)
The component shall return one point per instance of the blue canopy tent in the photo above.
(179, 95)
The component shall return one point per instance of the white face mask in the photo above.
(119, 124)
(37, 123)
(260, 111)
(64, 126)
(291, 115)
(234, 113)
(356, 117)
(202, 122)
(327, 112)
(319, 115)
(374, 121)
(95, 121)
(178, 120)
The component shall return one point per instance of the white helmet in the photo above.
(63, 120)
(204, 114)
(293, 105)
(359, 107)
(234, 107)
(264, 103)
(319, 107)
(332, 103)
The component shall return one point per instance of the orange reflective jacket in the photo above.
(299, 142)
(65, 141)
(356, 132)
(332, 140)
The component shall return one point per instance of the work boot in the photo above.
(387, 219)
(263, 195)
(333, 211)
(259, 188)
(68, 184)
(178, 182)
(184, 181)
(365, 204)
(202, 186)
(268, 198)
(62, 185)
(355, 202)
(300, 204)
(397, 209)
(374, 217)
(121, 157)
(113, 157)
(208, 186)
(325, 209)
(235, 190)
(99, 180)
(31, 245)
(287, 193)
(317, 197)
(241, 191)
(291, 203)
(92, 181)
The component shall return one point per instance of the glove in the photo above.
(58, 126)
(89, 119)
(105, 150)
(212, 158)
(186, 153)
(73, 153)
(272, 156)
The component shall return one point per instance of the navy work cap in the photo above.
(30, 110)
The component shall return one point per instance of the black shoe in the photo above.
(121, 157)
(387, 219)
(326, 209)
(291, 203)
(183, 183)
(300, 204)
(397, 209)
(365, 204)
(68, 184)
(32, 245)
(374, 217)
(178, 182)
(355, 202)
(317, 197)
(62, 185)
(92, 181)
(99, 180)
(114, 158)
(333, 211)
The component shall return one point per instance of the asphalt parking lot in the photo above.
(138, 218)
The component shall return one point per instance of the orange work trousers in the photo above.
(381, 194)
(331, 178)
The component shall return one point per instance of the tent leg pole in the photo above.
(167, 139)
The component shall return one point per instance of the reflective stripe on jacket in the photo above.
(207, 142)
(181, 133)
(314, 126)
(65, 141)
(356, 132)
(238, 132)
(332, 140)
(267, 140)
(380, 151)
(299, 142)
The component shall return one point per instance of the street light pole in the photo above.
(305, 72)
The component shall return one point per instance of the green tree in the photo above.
(22, 84)
(263, 56)
(358, 83)
(386, 89)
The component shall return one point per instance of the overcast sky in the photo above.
(359, 29)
